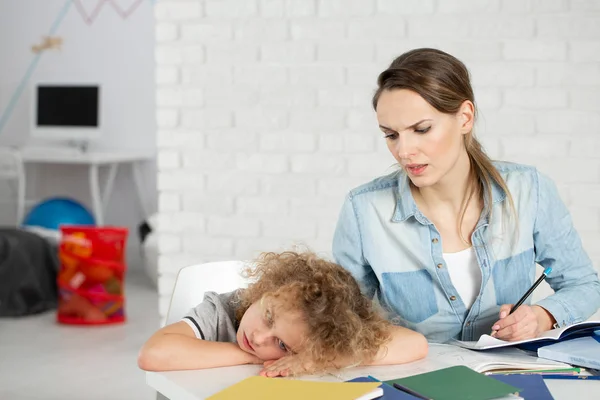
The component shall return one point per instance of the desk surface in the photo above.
(58, 156)
(196, 385)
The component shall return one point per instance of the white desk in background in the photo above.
(94, 160)
(200, 384)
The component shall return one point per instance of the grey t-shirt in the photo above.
(214, 318)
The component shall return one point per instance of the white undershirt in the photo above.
(465, 274)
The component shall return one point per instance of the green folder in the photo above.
(456, 383)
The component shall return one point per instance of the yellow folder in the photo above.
(261, 388)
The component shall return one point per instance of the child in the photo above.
(301, 314)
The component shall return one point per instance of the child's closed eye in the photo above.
(283, 346)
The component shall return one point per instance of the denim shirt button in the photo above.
(452, 298)
(468, 323)
(434, 240)
(440, 265)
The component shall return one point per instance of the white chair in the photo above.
(193, 281)
(12, 169)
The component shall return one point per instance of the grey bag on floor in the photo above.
(28, 269)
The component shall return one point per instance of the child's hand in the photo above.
(285, 366)
(281, 367)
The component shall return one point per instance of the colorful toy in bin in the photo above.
(91, 277)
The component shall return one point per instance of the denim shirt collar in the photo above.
(406, 206)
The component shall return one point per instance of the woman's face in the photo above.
(427, 143)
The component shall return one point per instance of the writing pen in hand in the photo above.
(528, 293)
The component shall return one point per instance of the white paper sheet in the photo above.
(443, 356)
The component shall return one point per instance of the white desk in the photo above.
(197, 385)
(94, 160)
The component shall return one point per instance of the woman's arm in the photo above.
(175, 347)
(558, 245)
(404, 346)
(573, 278)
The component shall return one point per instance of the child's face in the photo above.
(269, 335)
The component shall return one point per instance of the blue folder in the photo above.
(389, 392)
(533, 386)
(582, 351)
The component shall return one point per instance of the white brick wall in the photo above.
(264, 117)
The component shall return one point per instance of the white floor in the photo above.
(40, 359)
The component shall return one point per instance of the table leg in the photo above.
(137, 179)
(95, 193)
(108, 186)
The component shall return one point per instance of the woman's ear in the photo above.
(466, 115)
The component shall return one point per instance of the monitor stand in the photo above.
(81, 144)
(67, 147)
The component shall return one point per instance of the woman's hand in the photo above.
(284, 366)
(526, 322)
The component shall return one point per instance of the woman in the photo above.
(452, 239)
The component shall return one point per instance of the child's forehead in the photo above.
(279, 307)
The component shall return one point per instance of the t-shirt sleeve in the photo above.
(204, 320)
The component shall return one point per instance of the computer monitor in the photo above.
(66, 111)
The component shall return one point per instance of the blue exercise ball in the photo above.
(52, 213)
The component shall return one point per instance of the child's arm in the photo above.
(175, 347)
(404, 346)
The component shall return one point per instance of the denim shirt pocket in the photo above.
(410, 294)
(513, 276)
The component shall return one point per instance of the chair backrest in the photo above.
(11, 164)
(193, 281)
(13, 169)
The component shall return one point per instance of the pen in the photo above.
(528, 293)
(581, 377)
(531, 289)
(410, 391)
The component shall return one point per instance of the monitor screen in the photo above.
(67, 106)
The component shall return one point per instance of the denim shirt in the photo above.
(395, 252)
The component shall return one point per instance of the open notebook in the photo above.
(487, 342)
(444, 355)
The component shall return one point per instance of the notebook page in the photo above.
(487, 342)
(444, 356)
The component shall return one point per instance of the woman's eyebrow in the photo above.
(408, 127)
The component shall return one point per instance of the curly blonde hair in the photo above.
(342, 323)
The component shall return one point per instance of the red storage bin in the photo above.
(92, 275)
(105, 243)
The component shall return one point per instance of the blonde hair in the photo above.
(341, 322)
(444, 82)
